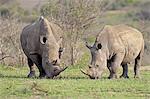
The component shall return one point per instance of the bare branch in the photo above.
(5, 57)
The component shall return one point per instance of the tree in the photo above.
(10, 49)
(75, 17)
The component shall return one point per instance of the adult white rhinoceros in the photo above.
(41, 48)
(114, 46)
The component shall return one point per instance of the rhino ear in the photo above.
(87, 45)
(41, 18)
(99, 46)
(61, 49)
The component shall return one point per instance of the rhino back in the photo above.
(123, 39)
(57, 31)
(29, 38)
(128, 38)
(132, 40)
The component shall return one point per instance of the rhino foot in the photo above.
(109, 77)
(42, 75)
(31, 74)
(124, 76)
(113, 76)
(137, 76)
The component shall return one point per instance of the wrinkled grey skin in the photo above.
(41, 48)
(115, 46)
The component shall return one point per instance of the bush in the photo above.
(10, 49)
(144, 12)
(75, 17)
(118, 4)
(4, 12)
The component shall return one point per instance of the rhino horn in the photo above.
(60, 70)
(84, 72)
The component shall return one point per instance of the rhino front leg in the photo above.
(32, 68)
(42, 72)
(39, 65)
(125, 71)
(38, 62)
(109, 68)
(116, 62)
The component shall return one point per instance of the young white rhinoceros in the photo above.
(41, 48)
(115, 46)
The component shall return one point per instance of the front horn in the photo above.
(60, 70)
(84, 72)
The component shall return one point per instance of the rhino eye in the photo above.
(97, 65)
(54, 62)
(90, 67)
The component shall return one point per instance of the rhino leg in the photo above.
(38, 62)
(137, 66)
(40, 68)
(109, 68)
(116, 62)
(42, 72)
(32, 68)
(125, 71)
(138, 63)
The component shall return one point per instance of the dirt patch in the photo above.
(145, 68)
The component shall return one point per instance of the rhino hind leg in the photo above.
(32, 69)
(137, 66)
(138, 60)
(125, 71)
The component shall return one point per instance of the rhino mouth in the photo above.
(56, 71)
(52, 69)
(91, 77)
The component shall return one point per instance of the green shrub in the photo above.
(4, 12)
(118, 4)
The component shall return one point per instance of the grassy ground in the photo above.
(71, 84)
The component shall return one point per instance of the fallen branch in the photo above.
(5, 57)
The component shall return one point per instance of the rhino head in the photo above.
(98, 61)
(50, 50)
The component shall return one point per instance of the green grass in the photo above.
(71, 84)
